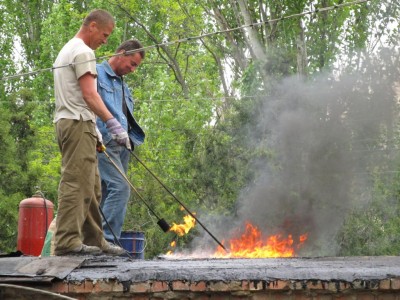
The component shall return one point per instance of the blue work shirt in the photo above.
(109, 86)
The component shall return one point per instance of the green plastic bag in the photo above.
(48, 246)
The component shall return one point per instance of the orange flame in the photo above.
(251, 245)
(182, 229)
(172, 245)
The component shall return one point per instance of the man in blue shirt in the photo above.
(119, 101)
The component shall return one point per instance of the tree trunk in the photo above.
(301, 52)
(253, 40)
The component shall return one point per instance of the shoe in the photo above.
(83, 250)
(111, 249)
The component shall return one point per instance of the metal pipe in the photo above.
(161, 222)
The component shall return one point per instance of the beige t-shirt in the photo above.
(69, 99)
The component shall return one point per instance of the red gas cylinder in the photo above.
(35, 216)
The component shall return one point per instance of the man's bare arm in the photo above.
(92, 97)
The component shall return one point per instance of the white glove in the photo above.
(117, 132)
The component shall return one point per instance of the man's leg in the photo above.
(117, 190)
(77, 142)
(92, 228)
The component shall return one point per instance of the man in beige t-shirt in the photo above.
(78, 224)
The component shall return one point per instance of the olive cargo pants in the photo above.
(79, 191)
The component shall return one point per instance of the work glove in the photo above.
(118, 133)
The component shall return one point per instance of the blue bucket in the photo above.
(134, 243)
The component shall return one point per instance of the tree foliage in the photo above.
(200, 100)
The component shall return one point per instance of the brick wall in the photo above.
(386, 289)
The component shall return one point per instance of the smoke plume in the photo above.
(328, 137)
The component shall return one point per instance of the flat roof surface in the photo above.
(78, 269)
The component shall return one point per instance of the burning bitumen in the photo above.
(251, 243)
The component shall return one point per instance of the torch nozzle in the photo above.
(164, 225)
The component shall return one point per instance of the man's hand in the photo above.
(118, 133)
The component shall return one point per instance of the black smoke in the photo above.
(329, 135)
